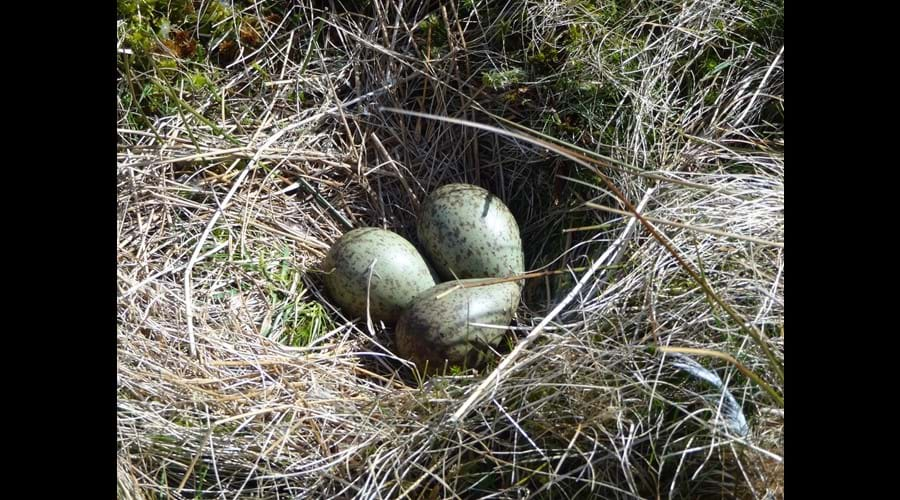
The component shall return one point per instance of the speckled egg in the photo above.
(400, 274)
(440, 325)
(467, 232)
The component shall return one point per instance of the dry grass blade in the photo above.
(253, 133)
(691, 227)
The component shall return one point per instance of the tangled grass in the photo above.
(253, 134)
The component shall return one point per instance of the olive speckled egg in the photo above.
(400, 274)
(439, 327)
(467, 232)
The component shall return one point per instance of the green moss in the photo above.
(545, 59)
(259, 69)
(766, 22)
(437, 28)
(164, 42)
(710, 64)
(199, 81)
(154, 29)
(466, 7)
(183, 421)
(155, 101)
(498, 80)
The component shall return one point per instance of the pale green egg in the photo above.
(400, 273)
(456, 326)
(467, 232)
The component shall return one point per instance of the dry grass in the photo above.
(238, 378)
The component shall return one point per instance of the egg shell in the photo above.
(400, 274)
(467, 232)
(438, 326)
